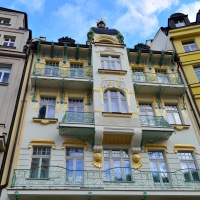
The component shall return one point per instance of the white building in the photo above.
(104, 121)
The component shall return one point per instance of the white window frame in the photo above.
(9, 42)
(162, 174)
(51, 68)
(76, 70)
(4, 71)
(179, 23)
(122, 156)
(189, 173)
(189, 45)
(47, 101)
(121, 101)
(34, 173)
(171, 109)
(110, 62)
(197, 71)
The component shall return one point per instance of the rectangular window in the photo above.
(4, 21)
(158, 167)
(74, 164)
(197, 71)
(40, 162)
(9, 41)
(76, 70)
(110, 62)
(173, 115)
(188, 166)
(4, 75)
(162, 76)
(189, 46)
(51, 68)
(147, 115)
(76, 110)
(179, 23)
(117, 165)
(47, 108)
(139, 75)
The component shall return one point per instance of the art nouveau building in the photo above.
(105, 121)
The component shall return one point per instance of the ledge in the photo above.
(3, 84)
(180, 127)
(2, 24)
(117, 114)
(9, 47)
(111, 71)
(45, 121)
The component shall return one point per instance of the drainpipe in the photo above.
(14, 115)
(185, 77)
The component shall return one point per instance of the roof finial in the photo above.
(101, 22)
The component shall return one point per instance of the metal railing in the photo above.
(79, 117)
(169, 78)
(115, 178)
(48, 70)
(153, 121)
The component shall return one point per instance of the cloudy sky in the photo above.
(137, 20)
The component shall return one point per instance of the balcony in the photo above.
(55, 177)
(168, 78)
(78, 117)
(153, 121)
(41, 69)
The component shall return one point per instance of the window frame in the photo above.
(76, 70)
(110, 62)
(173, 111)
(9, 38)
(121, 101)
(189, 44)
(179, 23)
(4, 70)
(2, 20)
(139, 75)
(197, 72)
(51, 68)
(47, 107)
(162, 76)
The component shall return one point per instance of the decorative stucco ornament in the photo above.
(136, 161)
(90, 35)
(120, 38)
(98, 159)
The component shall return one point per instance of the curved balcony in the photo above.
(168, 78)
(115, 178)
(154, 121)
(41, 69)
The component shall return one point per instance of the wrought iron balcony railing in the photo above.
(169, 78)
(157, 121)
(115, 178)
(78, 117)
(48, 70)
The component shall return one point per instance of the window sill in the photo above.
(45, 121)
(5, 24)
(3, 84)
(111, 71)
(38, 179)
(2, 46)
(180, 127)
(116, 114)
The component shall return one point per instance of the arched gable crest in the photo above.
(106, 38)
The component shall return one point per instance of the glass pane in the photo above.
(198, 75)
(124, 107)
(164, 176)
(170, 118)
(79, 164)
(51, 112)
(155, 174)
(34, 168)
(117, 170)
(44, 173)
(177, 118)
(106, 105)
(113, 66)
(191, 165)
(5, 77)
(127, 170)
(11, 44)
(193, 47)
(115, 107)
(186, 48)
(79, 170)
(102, 64)
(42, 112)
(108, 65)
(107, 170)
(69, 166)
(74, 152)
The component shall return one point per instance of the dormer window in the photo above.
(4, 21)
(179, 23)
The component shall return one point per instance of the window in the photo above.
(139, 75)
(40, 162)
(74, 161)
(4, 75)
(76, 70)
(4, 21)
(76, 108)
(190, 46)
(47, 108)
(110, 62)
(147, 115)
(188, 166)
(173, 114)
(9, 41)
(158, 167)
(197, 71)
(117, 165)
(179, 23)
(115, 101)
(51, 68)
(162, 76)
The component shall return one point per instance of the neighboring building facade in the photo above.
(14, 34)
(100, 123)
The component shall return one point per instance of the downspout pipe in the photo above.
(14, 116)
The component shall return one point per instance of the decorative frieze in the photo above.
(184, 147)
(42, 142)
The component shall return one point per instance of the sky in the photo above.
(137, 20)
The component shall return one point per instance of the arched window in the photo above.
(115, 101)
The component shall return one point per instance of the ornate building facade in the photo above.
(104, 121)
